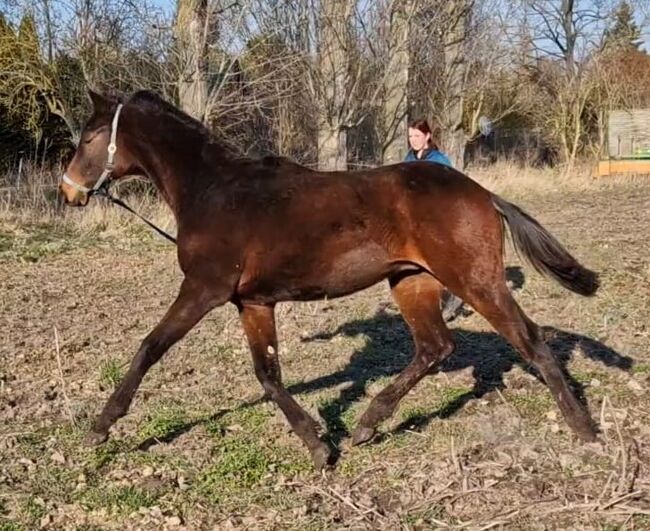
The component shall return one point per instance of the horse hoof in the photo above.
(362, 435)
(321, 456)
(588, 435)
(95, 439)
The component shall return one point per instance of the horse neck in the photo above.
(173, 157)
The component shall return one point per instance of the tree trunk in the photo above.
(191, 34)
(395, 108)
(48, 31)
(333, 69)
(568, 25)
(455, 64)
(332, 149)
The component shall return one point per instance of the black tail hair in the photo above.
(543, 251)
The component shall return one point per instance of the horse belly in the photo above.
(328, 275)
(356, 269)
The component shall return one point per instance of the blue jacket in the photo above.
(429, 155)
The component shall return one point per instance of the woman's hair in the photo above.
(423, 126)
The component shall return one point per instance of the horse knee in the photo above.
(149, 353)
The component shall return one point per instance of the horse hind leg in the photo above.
(418, 297)
(502, 311)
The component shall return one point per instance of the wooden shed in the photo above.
(628, 143)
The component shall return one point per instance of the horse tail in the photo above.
(543, 251)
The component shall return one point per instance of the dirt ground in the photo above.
(480, 445)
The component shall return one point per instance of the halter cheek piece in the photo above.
(108, 168)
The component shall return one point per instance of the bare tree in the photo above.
(102, 43)
(461, 65)
(568, 38)
(395, 96)
(456, 68)
(334, 69)
(194, 34)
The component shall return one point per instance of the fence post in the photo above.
(20, 171)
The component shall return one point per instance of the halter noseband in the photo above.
(108, 168)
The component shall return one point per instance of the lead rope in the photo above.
(117, 201)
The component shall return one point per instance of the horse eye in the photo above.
(92, 135)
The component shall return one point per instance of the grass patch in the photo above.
(66, 437)
(168, 418)
(33, 509)
(586, 377)
(32, 444)
(164, 420)
(33, 242)
(11, 526)
(52, 483)
(414, 414)
(641, 368)
(110, 374)
(532, 406)
(582, 377)
(241, 464)
(6, 242)
(215, 427)
(339, 416)
(247, 419)
(251, 419)
(118, 500)
(449, 396)
(445, 405)
(107, 453)
(121, 453)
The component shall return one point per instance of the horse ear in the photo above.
(106, 101)
(115, 96)
(100, 103)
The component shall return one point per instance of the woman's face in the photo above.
(418, 140)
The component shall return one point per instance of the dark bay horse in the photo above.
(257, 232)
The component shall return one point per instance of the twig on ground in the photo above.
(63, 390)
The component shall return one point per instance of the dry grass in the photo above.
(35, 222)
(514, 181)
(478, 446)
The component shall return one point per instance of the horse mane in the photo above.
(153, 103)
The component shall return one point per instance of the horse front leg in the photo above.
(194, 300)
(259, 325)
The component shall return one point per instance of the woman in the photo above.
(424, 148)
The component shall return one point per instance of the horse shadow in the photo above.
(389, 348)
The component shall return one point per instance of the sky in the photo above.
(169, 6)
